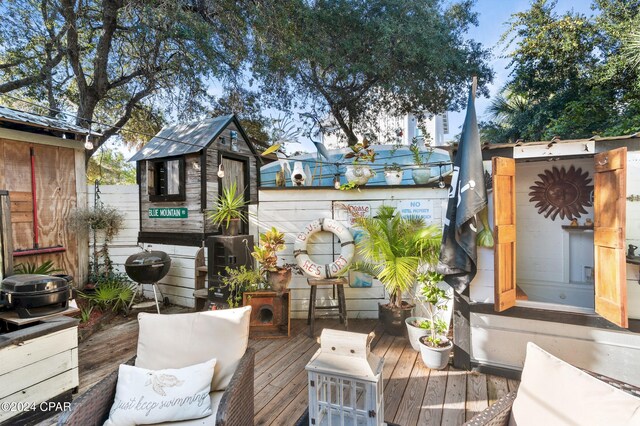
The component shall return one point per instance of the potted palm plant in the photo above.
(435, 348)
(228, 211)
(271, 242)
(393, 248)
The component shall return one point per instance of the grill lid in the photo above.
(28, 283)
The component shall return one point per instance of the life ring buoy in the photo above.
(333, 269)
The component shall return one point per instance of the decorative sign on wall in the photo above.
(349, 212)
(417, 208)
(562, 192)
(168, 213)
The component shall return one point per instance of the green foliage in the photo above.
(228, 206)
(572, 76)
(110, 168)
(355, 60)
(418, 158)
(246, 105)
(45, 268)
(240, 280)
(348, 186)
(115, 61)
(271, 242)
(394, 167)
(361, 151)
(485, 236)
(107, 220)
(111, 294)
(85, 313)
(394, 247)
(436, 301)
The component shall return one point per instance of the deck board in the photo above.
(414, 395)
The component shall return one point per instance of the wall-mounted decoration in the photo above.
(562, 192)
(633, 197)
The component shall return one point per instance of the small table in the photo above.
(337, 284)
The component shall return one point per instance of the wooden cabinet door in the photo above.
(504, 220)
(609, 236)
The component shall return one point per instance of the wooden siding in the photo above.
(57, 170)
(289, 210)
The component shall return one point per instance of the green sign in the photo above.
(168, 213)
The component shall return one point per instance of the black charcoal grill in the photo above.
(35, 295)
(148, 267)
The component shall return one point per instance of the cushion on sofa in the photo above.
(553, 392)
(152, 396)
(174, 341)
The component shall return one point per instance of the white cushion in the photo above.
(205, 421)
(146, 396)
(553, 392)
(175, 341)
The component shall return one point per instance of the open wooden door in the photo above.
(504, 220)
(609, 236)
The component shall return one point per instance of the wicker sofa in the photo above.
(180, 341)
(500, 413)
(92, 408)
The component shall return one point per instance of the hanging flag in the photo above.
(467, 198)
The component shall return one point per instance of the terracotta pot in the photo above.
(232, 229)
(279, 280)
(393, 319)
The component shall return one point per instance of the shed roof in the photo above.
(180, 139)
(40, 121)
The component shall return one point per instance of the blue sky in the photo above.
(493, 16)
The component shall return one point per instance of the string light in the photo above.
(220, 171)
(88, 145)
(336, 181)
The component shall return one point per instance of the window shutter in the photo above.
(609, 236)
(504, 219)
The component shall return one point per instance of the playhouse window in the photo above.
(165, 180)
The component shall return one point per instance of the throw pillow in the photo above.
(153, 396)
(173, 341)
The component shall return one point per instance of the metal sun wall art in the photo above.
(562, 192)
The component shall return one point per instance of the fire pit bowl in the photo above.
(147, 267)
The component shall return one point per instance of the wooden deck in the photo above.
(413, 394)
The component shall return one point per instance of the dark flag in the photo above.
(467, 198)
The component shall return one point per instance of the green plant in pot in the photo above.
(393, 174)
(421, 172)
(435, 348)
(240, 280)
(228, 211)
(392, 248)
(271, 242)
(358, 173)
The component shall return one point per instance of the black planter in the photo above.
(231, 229)
(393, 319)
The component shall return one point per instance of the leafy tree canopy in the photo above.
(355, 59)
(110, 167)
(572, 76)
(116, 61)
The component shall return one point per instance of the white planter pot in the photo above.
(358, 174)
(393, 177)
(435, 358)
(421, 175)
(415, 333)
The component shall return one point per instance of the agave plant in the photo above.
(45, 268)
(394, 247)
(229, 206)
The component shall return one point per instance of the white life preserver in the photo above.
(333, 269)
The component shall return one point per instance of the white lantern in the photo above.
(345, 381)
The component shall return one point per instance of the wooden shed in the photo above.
(42, 168)
(570, 286)
(178, 175)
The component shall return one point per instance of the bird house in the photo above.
(345, 381)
